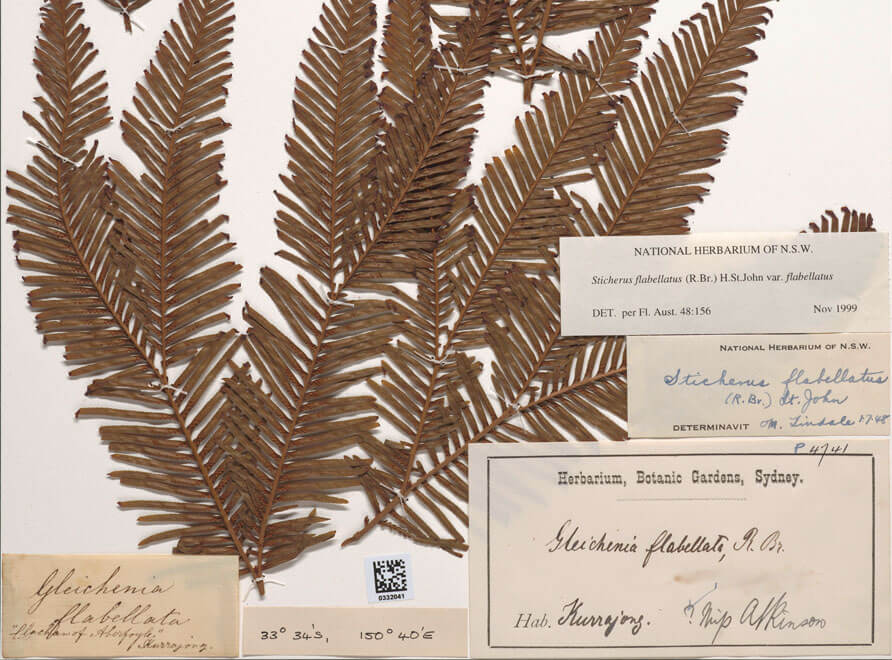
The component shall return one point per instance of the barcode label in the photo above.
(389, 578)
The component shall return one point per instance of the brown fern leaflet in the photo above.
(653, 170)
(405, 52)
(851, 221)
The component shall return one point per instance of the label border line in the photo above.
(489, 459)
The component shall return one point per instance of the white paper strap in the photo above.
(47, 148)
(126, 14)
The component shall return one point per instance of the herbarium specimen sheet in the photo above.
(345, 323)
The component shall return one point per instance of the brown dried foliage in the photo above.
(851, 221)
(521, 44)
(132, 273)
(131, 278)
(405, 52)
(349, 212)
(431, 393)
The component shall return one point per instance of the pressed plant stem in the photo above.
(543, 26)
(435, 369)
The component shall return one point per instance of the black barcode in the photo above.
(390, 575)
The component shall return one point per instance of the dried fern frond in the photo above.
(179, 284)
(560, 386)
(571, 380)
(545, 386)
(406, 50)
(426, 153)
(73, 105)
(176, 250)
(305, 370)
(654, 166)
(410, 396)
(267, 518)
(517, 222)
(549, 388)
(306, 367)
(78, 295)
(521, 47)
(86, 299)
(549, 383)
(590, 223)
(332, 152)
(851, 221)
(259, 474)
(302, 416)
(126, 8)
(519, 216)
(176, 284)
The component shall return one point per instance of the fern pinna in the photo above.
(851, 221)
(240, 436)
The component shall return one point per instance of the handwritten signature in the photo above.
(757, 615)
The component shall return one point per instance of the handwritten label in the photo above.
(685, 549)
(119, 605)
(725, 283)
(368, 632)
(763, 385)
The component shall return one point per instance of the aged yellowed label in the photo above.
(119, 605)
(687, 548)
(359, 631)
